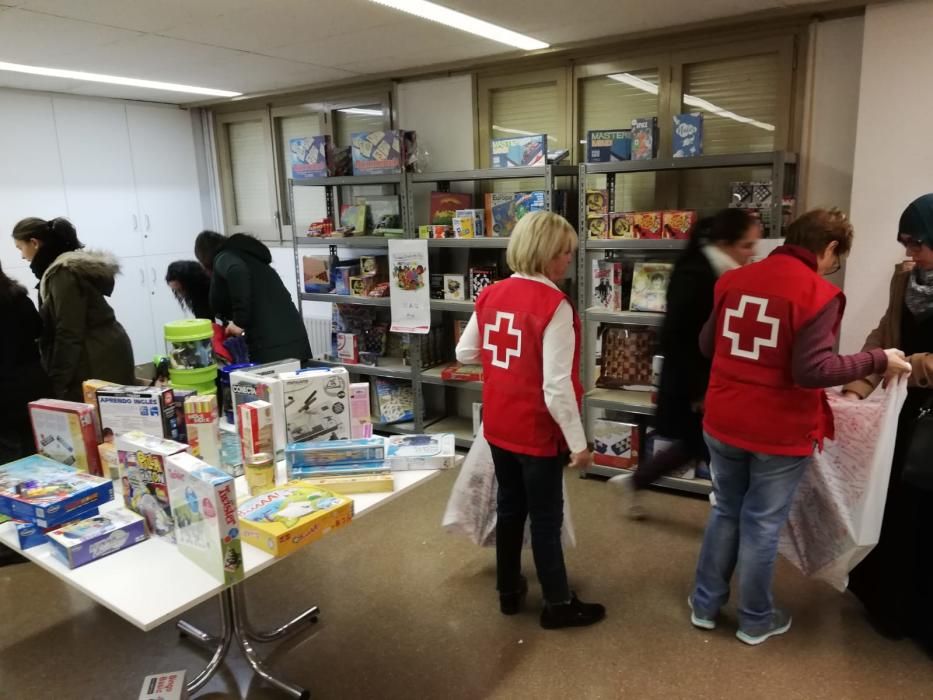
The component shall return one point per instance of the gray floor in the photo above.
(410, 612)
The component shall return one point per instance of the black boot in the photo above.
(511, 603)
(573, 614)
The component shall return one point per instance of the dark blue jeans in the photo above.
(530, 487)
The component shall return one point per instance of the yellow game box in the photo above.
(287, 518)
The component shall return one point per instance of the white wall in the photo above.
(893, 154)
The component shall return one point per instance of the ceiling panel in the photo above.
(26, 37)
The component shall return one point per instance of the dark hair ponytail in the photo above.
(9, 287)
(58, 233)
(725, 226)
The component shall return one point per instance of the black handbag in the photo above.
(918, 462)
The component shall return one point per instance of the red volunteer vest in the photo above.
(512, 316)
(752, 401)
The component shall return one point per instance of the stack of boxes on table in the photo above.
(184, 491)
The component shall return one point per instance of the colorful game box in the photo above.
(30, 535)
(597, 226)
(649, 286)
(382, 152)
(688, 135)
(89, 389)
(316, 274)
(454, 287)
(405, 452)
(464, 227)
(311, 157)
(361, 286)
(335, 453)
(479, 220)
(597, 202)
(435, 231)
(518, 151)
(644, 138)
(505, 209)
(38, 490)
(66, 432)
(615, 444)
(444, 206)
(143, 458)
(316, 404)
(255, 429)
(360, 421)
(647, 224)
(607, 284)
(203, 426)
(395, 401)
(93, 538)
(150, 410)
(622, 225)
(284, 519)
(262, 382)
(608, 146)
(677, 224)
(348, 348)
(204, 507)
(480, 278)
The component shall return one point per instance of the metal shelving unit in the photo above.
(638, 403)
(344, 299)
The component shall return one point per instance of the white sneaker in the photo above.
(631, 498)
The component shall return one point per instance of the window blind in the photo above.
(250, 163)
(310, 203)
(523, 111)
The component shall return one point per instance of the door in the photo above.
(166, 176)
(98, 172)
(131, 304)
(30, 173)
(163, 305)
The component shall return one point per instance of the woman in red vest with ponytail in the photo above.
(771, 336)
(527, 335)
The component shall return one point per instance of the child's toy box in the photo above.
(204, 508)
(615, 444)
(67, 432)
(518, 151)
(480, 278)
(454, 287)
(164, 686)
(255, 428)
(608, 146)
(30, 535)
(302, 455)
(688, 135)
(677, 224)
(464, 227)
(143, 458)
(90, 539)
(607, 284)
(405, 452)
(202, 423)
(382, 152)
(622, 225)
(597, 202)
(360, 419)
(353, 483)
(262, 383)
(505, 209)
(647, 224)
(150, 410)
(479, 222)
(317, 404)
(311, 157)
(287, 518)
(445, 206)
(89, 389)
(597, 226)
(644, 138)
(395, 401)
(38, 490)
(316, 273)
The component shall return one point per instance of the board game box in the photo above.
(649, 286)
(150, 410)
(607, 284)
(644, 138)
(597, 226)
(615, 444)
(479, 220)
(444, 206)
(622, 225)
(334, 453)
(454, 287)
(316, 274)
(395, 401)
(688, 135)
(647, 224)
(518, 151)
(677, 224)
(31, 535)
(255, 429)
(382, 152)
(608, 146)
(203, 425)
(597, 202)
(311, 157)
(66, 432)
(316, 404)
(261, 382)
(143, 459)
(405, 452)
(505, 209)
(480, 278)
(93, 538)
(204, 507)
(464, 227)
(38, 490)
(287, 518)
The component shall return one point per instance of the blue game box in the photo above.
(519, 151)
(311, 157)
(90, 539)
(608, 146)
(688, 135)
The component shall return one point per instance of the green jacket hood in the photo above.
(96, 267)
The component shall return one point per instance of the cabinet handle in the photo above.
(153, 276)
(142, 277)
(148, 227)
(135, 222)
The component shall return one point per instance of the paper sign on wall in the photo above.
(410, 296)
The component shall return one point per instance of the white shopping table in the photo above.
(152, 582)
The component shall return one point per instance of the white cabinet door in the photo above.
(166, 176)
(98, 170)
(30, 172)
(163, 304)
(131, 303)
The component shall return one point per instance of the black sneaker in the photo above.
(573, 614)
(511, 603)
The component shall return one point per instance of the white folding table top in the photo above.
(152, 582)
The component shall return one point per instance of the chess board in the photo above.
(626, 358)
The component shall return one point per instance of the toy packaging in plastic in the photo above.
(66, 432)
(287, 518)
(615, 444)
(406, 452)
(38, 490)
(317, 404)
(90, 539)
(255, 429)
(204, 508)
(150, 410)
(143, 459)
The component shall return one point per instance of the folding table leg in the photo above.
(309, 616)
(221, 644)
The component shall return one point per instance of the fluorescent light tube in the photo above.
(114, 80)
(465, 23)
(361, 110)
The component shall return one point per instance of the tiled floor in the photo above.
(410, 612)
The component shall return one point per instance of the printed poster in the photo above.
(410, 292)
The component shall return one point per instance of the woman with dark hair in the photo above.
(717, 244)
(191, 286)
(81, 338)
(21, 374)
(250, 295)
(895, 581)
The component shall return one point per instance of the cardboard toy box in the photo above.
(38, 490)
(406, 452)
(382, 152)
(455, 287)
(66, 432)
(479, 220)
(30, 535)
(644, 138)
(150, 410)
(597, 226)
(255, 429)
(93, 538)
(607, 284)
(688, 135)
(334, 453)
(143, 459)
(518, 151)
(202, 423)
(287, 518)
(505, 209)
(622, 225)
(615, 444)
(164, 686)
(360, 417)
(677, 223)
(316, 274)
(311, 157)
(444, 207)
(647, 224)
(261, 382)
(317, 404)
(608, 146)
(355, 483)
(204, 508)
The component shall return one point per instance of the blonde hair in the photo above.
(537, 239)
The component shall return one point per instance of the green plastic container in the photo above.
(203, 381)
(188, 344)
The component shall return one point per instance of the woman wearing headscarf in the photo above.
(895, 581)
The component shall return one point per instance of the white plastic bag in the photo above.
(471, 509)
(835, 519)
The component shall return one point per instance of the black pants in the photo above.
(530, 487)
(688, 445)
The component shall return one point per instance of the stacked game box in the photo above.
(143, 459)
(150, 410)
(405, 452)
(311, 157)
(88, 540)
(615, 444)
(66, 432)
(649, 286)
(519, 151)
(261, 382)
(382, 152)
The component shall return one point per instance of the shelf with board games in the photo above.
(434, 376)
(389, 367)
(344, 241)
(633, 318)
(545, 171)
(633, 244)
(344, 299)
(623, 400)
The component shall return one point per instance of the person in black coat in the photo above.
(717, 244)
(247, 292)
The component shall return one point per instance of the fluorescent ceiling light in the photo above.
(114, 80)
(690, 100)
(458, 20)
(361, 110)
(514, 131)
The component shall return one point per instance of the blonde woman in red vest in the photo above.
(527, 335)
(771, 336)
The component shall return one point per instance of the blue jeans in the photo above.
(753, 496)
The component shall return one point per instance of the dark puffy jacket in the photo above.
(81, 338)
(246, 290)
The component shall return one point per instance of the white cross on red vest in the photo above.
(759, 331)
(508, 341)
